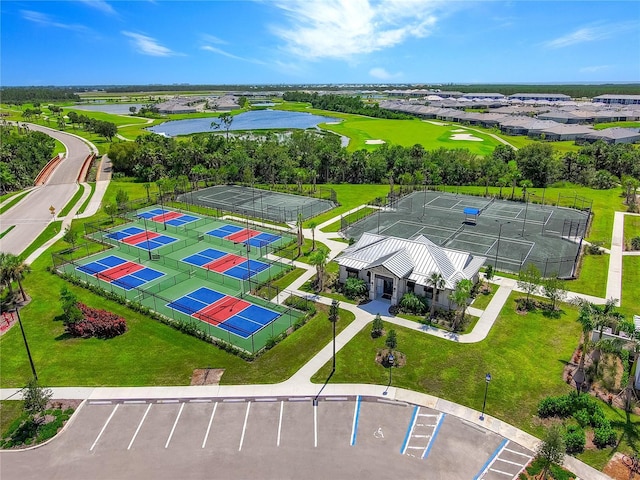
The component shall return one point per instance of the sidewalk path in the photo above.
(614, 278)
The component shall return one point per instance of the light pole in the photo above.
(495, 264)
(26, 345)
(147, 236)
(333, 318)
(526, 205)
(487, 379)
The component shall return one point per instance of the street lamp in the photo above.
(487, 379)
(495, 264)
(333, 318)
(26, 345)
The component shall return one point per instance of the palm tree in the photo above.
(312, 226)
(5, 274)
(319, 260)
(13, 269)
(460, 296)
(586, 319)
(437, 282)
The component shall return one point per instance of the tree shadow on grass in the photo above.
(630, 430)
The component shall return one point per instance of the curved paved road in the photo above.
(31, 215)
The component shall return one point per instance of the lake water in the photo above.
(254, 120)
(115, 108)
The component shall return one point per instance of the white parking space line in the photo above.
(244, 427)
(139, 426)
(166, 445)
(104, 427)
(315, 425)
(206, 435)
(280, 423)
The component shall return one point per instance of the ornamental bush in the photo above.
(354, 287)
(604, 436)
(97, 323)
(574, 439)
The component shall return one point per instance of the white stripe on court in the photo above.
(206, 435)
(139, 426)
(244, 427)
(166, 445)
(104, 428)
(280, 422)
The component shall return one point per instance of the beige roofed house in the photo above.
(392, 266)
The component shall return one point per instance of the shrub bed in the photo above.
(97, 323)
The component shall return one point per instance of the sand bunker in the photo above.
(332, 123)
(442, 124)
(465, 136)
(374, 142)
(459, 130)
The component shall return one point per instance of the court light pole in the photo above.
(146, 232)
(487, 379)
(526, 205)
(495, 264)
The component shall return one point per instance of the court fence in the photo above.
(148, 300)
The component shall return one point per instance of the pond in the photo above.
(254, 120)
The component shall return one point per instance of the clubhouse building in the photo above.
(393, 266)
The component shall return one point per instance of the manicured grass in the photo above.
(67, 208)
(631, 228)
(10, 410)
(593, 276)
(13, 201)
(92, 186)
(280, 284)
(352, 217)
(291, 251)
(630, 301)
(351, 196)
(602, 126)
(293, 352)
(524, 353)
(482, 301)
(48, 233)
(7, 231)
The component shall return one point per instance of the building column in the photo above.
(372, 287)
(394, 294)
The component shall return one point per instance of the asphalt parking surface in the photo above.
(267, 438)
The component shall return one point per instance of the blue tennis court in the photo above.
(247, 269)
(263, 239)
(249, 321)
(207, 295)
(138, 278)
(204, 257)
(195, 301)
(152, 213)
(101, 265)
(127, 232)
(260, 315)
(225, 231)
(184, 219)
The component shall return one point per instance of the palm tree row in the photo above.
(12, 269)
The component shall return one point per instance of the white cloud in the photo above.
(345, 28)
(219, 51)
(101, 5)
(47, 21)
(148, 46)
(595, 68)
(213, 39)
(382, 74)
(589, 34)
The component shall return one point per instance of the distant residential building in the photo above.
(612, 136)
(549, 97)
(618, 99)
(484, 96)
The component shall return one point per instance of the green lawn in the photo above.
(593, 276)
(291, 251)
(631, 228)
(525, 355)
(9, 411)
(350, 196)
(602, 126)
(15, 199)
(83, 207)
(630, 301)
(76, 196)
(352, 217)
(482, 301)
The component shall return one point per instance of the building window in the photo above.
(428, 291)
(352, 273)
(411, 286)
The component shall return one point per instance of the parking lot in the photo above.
(268, 438)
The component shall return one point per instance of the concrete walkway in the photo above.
(614, 278)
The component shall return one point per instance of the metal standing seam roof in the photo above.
(412, 259)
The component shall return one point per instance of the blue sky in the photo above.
(87, 42)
